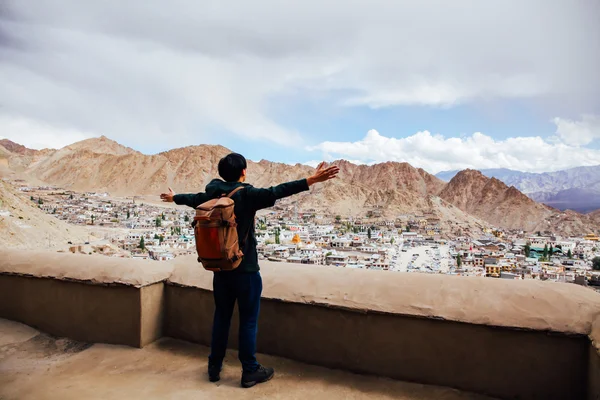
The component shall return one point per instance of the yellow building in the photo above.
(591, 236)
(507, 267)
(492, 270)
(296, 239)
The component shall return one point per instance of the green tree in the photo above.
(369, 233)
(407, 228)
(162, 216)
(161, 239)
(527, 250)
(158, 222)
(458, 260)
(392, 241)
(186, 218)
(277, 239)
(545, 254)
(40, 201)
(156, 236)
(142, 245)
(54, 211)
(93, 219)
(551, 251)
(569, 254)
(338, 218)
(32, 199)
(128, 214)
(71, 197)
(596, 263)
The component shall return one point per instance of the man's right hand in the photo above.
(168, 197)
(323, 173)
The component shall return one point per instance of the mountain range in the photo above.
(469, 201)
(576, 189)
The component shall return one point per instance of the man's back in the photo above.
(247, 202)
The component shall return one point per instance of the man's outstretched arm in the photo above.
(190, 200)
(264, 198)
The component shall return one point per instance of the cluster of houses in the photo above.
(312, 237)
(530, 257)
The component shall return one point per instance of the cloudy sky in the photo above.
(440, 84)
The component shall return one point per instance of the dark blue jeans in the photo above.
(246, 288)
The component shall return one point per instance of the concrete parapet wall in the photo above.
(527, 304)
(91, 299)
(526, 340)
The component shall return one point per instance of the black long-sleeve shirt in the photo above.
(247, 202)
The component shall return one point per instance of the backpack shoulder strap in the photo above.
(234, 191)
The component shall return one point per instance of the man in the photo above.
(243, 284)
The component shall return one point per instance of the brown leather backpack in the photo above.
(216, 234)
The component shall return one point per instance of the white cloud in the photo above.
(578, 133)
(37, 135)
(179, 73)
(436, 153)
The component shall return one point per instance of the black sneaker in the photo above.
(261, 375)
(214, 373)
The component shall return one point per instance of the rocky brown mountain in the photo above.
(504, 206)
(576, 189)
(101, 145)
(16, 148)
(101, 164)
(494, 201)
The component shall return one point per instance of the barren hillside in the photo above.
(24, 225)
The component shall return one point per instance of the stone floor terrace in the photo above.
(91, 327)
(37, 366)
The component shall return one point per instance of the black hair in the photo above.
(231, 167)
